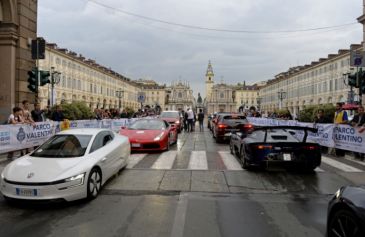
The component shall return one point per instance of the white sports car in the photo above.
(73, 164)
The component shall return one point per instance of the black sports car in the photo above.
(346, 213)
(286, 146)
(227, 124)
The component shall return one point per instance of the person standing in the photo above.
(340, 118)
(190, 120)
(359, 122)
(186, 124)
(15, 118)
(201, 120)
(37, 113)
(320, 118)
(57, 115)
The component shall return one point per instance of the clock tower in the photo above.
(209, 81)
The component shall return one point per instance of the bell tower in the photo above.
(209, 81)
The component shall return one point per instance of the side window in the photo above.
(166, 124)
(98, 142)
(107, 138)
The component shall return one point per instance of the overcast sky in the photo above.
(141, 48)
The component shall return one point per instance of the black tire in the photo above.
(243, 160)
(344, 223)
(94, 183)
(168, 144)
(217, 139)
(231, 148)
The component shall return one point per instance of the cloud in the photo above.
(138, 48)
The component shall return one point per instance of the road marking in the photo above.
(356, 161)
(134, 159)
(198, 160)
(230, 161)
(180, 216)
(165, 160)
(318, 170)
(339, 165)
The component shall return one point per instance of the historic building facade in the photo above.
(18, 26)
(155, 94)
(84, 80)
(321, 82)
(179, 96)
(228, 98)
(247, 96)
(222, 99)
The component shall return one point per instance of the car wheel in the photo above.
(231, 148)
(168, 144)
(243, 160)
(344, 223)
(93, 183)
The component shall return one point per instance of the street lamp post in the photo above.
(55, 79)
(281, 96)
(120, 94)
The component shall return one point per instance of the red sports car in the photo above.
(150, 135)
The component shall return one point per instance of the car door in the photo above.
(103, 156)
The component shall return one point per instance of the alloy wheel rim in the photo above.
(344, 226)
(95, 183)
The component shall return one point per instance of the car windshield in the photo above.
(148, 125)
(169, 114)
(234, 117)
(63, 146)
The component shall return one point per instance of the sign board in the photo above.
(141, 97)
(357, 59)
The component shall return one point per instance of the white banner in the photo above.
(21, 136)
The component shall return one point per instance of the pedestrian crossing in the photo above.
(218, 160)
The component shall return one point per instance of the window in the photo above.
(78, 84)
(180, 95)
(222, 95)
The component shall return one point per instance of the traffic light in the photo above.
(352, 80)
(33, 80)
(44, 78)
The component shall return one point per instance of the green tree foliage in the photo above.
(130, 111)
(76, 111)
(309, 112)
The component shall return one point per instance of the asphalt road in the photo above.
(196, 189)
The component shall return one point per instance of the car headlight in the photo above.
(338, 193)
(158, 137)
(73, 181)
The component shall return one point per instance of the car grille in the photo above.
(34, 183)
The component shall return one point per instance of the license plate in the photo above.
(26, 192)
(287, 157)
(232, 129)
(136, 145)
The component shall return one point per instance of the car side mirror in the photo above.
(123, 127)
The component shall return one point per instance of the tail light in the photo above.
(248, 126)
(310, 148)
(220, 125)
(264, 147)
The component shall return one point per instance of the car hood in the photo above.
(42, 169)
(141, 135)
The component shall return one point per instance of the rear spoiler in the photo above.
(306, 129)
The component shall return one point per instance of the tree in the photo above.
(309, 112)
(130, 111)
(76, 111)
